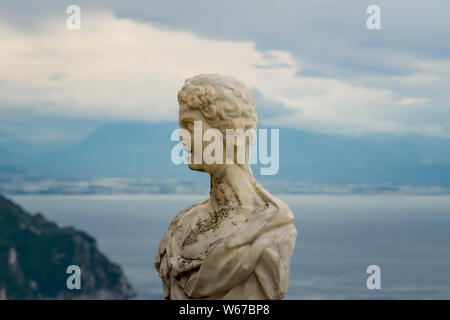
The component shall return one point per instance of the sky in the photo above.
(312, 65)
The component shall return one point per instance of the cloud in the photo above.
(113, 68)
(412, 101)
(120, 68)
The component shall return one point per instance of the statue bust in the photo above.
(238, 243)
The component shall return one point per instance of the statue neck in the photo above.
(233, 186)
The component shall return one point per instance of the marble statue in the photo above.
(238, 243)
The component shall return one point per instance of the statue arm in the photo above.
(272, 270)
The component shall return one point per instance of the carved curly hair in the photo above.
(225, 102)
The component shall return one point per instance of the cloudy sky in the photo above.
(313, 65)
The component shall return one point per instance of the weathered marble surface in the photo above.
(238, 243)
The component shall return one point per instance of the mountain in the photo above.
(35, 254)
(368, 159)
(138, 150)
(6, 157)
(115, 149)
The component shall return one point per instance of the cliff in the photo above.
(35, 254)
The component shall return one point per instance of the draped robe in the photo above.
(249, 262)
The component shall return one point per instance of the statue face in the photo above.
(187, 117)
(218, 120)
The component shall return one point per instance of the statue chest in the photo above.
(201, 228)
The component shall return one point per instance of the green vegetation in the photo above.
(35, 253)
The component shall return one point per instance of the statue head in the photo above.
(220, 102)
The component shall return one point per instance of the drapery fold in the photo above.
(250, 263)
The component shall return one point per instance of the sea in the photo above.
(339, 237)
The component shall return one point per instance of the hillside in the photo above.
(35, 254)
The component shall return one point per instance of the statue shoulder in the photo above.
(180, 220)
(186, 212)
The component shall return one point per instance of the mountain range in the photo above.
(137, 150)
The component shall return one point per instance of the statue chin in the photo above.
(238, 243)
(197, 167)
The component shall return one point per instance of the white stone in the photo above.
(238, 243)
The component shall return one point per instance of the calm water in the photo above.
(339, 236)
